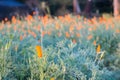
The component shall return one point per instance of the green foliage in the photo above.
(62, 58)
(65, 60)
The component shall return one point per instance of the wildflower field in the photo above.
(60, 48)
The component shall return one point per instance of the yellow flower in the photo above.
(98, 49)
(39, 51)
(52, 79)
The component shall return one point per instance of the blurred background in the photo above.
(87, 8)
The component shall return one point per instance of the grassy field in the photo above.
(60, 48)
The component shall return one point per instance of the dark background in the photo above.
(8, 8)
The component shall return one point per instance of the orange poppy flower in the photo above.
(34, 34)
(43, 33)
(13, 19)
(94, 42)
(49, 33)
(117, 30)
(39, 51)
(89, 37)
(98, 49)
(15, 28)
(71, 28)
(57, 26)
(21, 38)
(78, 34)
(90, 29)
(29, 17)
(74, 41)
(107, 26)
(67, 34)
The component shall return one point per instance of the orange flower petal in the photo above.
(39, 51)
(98, 49)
